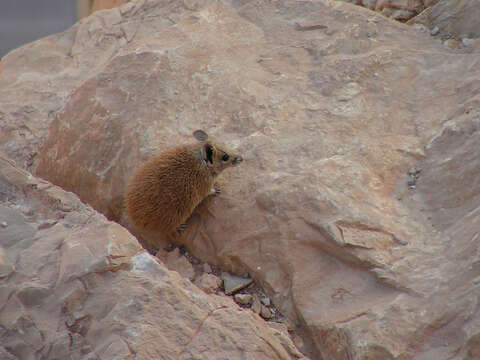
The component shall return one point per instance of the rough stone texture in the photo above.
(243, 299)
(232, 283)
(209, 283)
(457, 18)
(330, 104)
(179, 263)
(106, 4)
(401, 10)
(265, 312)
(256, 305)
(454, 18)
(83, 288)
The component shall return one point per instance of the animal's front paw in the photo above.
(182, 228)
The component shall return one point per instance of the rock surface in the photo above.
(401, 10)
(457, 18)
(83, 288)
(452, 18)
(209, 283)
(330, 105)
(243, 299)
(232, 283)
(179, 263)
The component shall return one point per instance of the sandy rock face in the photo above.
(74, 285)
(401, 10)
(457, 18)
(330, 105)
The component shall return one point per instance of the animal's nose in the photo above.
(237, 159)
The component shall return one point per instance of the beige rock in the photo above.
(179, 263)
(209, 283)
(452, 43)
(330, 106)
(243, 299)
(207, 268)
(232, 283)
(265, 312)
(256, 305)
(85, 289)
(281, 332)
(265, 300)
(397, 9)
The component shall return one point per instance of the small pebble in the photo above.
(413, 174)
(207, 268)
(243, 299)
(266, 313)
(468, 41)
(420, 27)
(452, 43)
(232, 283)
(209, 283)
(411, 183)
(256, 305)
(265, 300)
(4, 224)
(26, 211)
(435, 31)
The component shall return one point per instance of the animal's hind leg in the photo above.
(190, 228)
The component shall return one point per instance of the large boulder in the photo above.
(77, 286)
(332, 106)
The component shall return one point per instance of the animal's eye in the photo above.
(225, 157)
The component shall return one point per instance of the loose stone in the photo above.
(243, 299)
(265, 312)
(233, 284)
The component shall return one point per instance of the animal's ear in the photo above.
(200, 135)
(208, 151)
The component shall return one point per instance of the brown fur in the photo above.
(166, 189)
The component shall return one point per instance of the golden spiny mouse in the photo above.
(166, 189)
